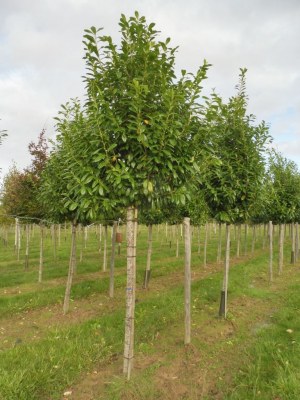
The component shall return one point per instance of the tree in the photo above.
(280, 201)
(20, 188)
(282, 190)
(237, 148)
(132, 139)
(145, 113)
(231, 188)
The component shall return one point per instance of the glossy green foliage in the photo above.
(131, 142)
(141, 114)
(233, 174)
(280, 195)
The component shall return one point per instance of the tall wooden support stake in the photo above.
(271, 251)
(219, 244)
(100, 238)
(238, 244)
(55, 242)
(112, 260)
(59, 235)
(85, 236)
(187, 280)
(199, 240)
(131, 233)
(280, 258)
(177, 241)
(296, 241)
(223, 302)
(149, 253)
(27, 247)
(264, 237)
(205, 246)
(16, 233)
(253, 240)
(293, 237)
(246, 239)
(72, 265)
(105, 248)
(41, 253)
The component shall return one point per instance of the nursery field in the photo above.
(46, 355)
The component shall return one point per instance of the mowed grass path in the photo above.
(61, 356)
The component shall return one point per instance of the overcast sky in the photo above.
(41, 58)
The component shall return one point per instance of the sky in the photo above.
(41, 65)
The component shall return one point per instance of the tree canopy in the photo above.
(130, 143)
(234, 170)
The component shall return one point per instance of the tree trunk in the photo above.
(271, 251)
(223, 302)
(149, 253)
(205, 246)
(177, 241)
(59, 235)
(72, 264)
(112, 260)
(246, 239)
(264, 237)
(219, 255)
(41, 253)
(187, 280)
(100, 238)
(293, 243)
(119, 243)
(16, 234)
(296, 242)
(18, 238)
(105, 249)
(238, 245)
(130, 290)
(27, 248)
(280, 258)
(199, 240)
(54, 241)
(85, 236)
(80, 231)
(253, 239)
(65, 231)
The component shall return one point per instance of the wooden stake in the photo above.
(293, 237)
(72, 264)
(112, 260)
(238, 246)
(280, 258)
(41, 253)
(105, 249)
(187, 280)
(149, 253)
(219, 244)
(271, 251)
(27, 247)
(205, 245)
(223, 302)
(130, 290)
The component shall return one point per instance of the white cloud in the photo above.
(41, 62)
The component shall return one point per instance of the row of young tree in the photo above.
(146, 140)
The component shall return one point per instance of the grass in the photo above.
(45, 367)
(273, 364)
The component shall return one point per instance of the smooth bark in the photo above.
(224, 292)
(187, 281)
(131, 233)
(72, 265)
